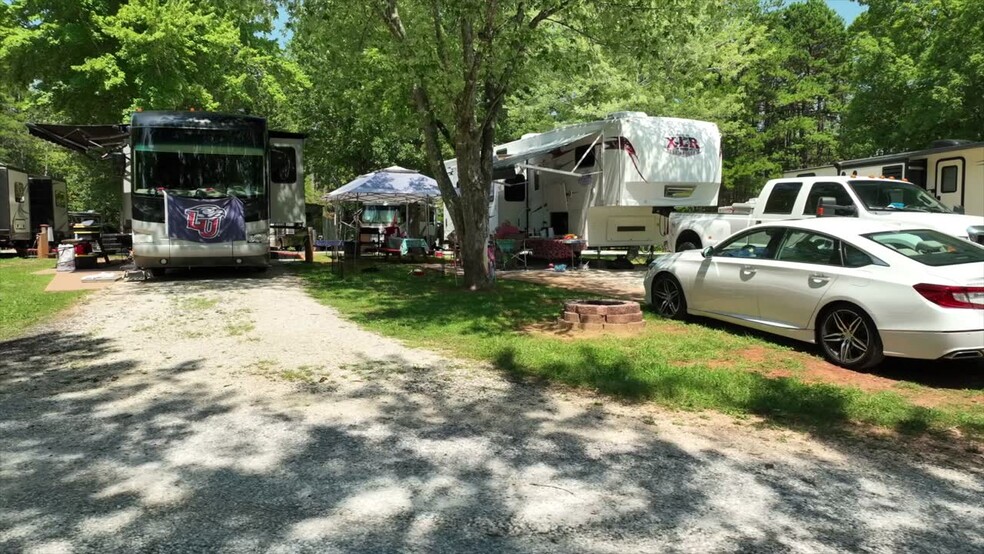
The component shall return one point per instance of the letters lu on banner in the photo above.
(205, 219)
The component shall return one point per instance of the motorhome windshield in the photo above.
(201, 163)
(896, 196)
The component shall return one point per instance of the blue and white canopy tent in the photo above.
(392, 186)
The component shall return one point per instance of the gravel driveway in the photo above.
(237, 414)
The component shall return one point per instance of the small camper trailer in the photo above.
(26, 203)
(15, 209)
(49, 206)
(953, 170)
(605, 181)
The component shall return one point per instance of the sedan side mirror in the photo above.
(707, 252)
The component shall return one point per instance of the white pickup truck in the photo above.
(798, 198)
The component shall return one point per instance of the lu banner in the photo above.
(205, 219)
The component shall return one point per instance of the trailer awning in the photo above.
(83, 138)
(534, 150)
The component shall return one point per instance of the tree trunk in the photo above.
(473, 232)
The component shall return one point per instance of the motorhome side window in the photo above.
(819, 190)
(948, 179)
(782, 198)
(283, 164)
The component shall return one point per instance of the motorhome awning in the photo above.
(83, 138)
(393, 184)
(509, 159)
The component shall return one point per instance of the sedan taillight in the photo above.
(952, 297)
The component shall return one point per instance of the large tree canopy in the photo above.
(918, 74)
(99, 60)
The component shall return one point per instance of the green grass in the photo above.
(23, 301)
(195, 303)
(682, 365)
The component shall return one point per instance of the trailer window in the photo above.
(948, 179)
(283, 164)
(782, 198)
(514, 189)
(892, 171)
(580, 151)
(19, 190)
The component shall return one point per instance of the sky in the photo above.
(848, 9)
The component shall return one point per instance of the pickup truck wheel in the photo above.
(668, 299)
(849, 338)
(687, 246)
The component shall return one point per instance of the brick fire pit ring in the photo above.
(617, 316)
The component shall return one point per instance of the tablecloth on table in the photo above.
(406, 244)
(554, 249)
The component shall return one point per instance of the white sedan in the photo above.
(860, 289)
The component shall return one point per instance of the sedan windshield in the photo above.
(930, 247)
(896, 196)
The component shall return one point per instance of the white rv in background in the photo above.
(26, 203)
(15, 208)
(607, 181)
(953, 170)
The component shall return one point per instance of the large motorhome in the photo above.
(26, 203)
(953, 170)
(198, 160)
(605, 181)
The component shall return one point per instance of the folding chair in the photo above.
(511, 251)
(449, 257)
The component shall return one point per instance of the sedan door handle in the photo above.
(819, 277)
(748, 269)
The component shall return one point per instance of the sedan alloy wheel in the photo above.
(849, 338)
(668, 297)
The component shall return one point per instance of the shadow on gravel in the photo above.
(166, 465)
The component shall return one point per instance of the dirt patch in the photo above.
(815, 370)
(625, 284)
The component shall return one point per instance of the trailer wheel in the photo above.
(157, 271)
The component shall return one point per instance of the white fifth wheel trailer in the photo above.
(953, 170)
(605, 181)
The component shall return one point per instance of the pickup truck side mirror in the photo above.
(827, 207)
(959, 210)
(707, 252)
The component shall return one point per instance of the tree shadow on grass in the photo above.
(420, 308)
(790, 402)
